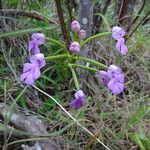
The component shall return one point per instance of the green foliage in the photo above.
(138, 136)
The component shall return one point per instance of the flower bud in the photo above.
(75, 26)
(74, 47)
(82, 34)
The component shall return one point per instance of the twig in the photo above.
(32, 15)
(62, 23)
(70, 116)
(69, 6)
(138, 25)
(136, 18)
(27, 126)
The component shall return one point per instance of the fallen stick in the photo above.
(29, 124)
(22, 13)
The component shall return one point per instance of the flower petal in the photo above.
(29, 80)
(119, 43)
(119, 77)
(80, 95)
(39, 59)
(36, 73)
(24, 76)
(115, 86)
(77, 103)
(124, 49)
(117, 32)
(104, 76)
(27, 67)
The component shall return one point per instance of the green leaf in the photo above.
(104, 19)
(139, 115)
(25, 31)
(48, 79)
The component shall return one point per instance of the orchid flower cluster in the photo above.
(112, 76)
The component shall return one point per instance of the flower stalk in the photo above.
(74, 77)
(85, 67)
(93, 62)
(56, 42)
(95, 36)
(58, 57)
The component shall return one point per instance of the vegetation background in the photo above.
(121, 122)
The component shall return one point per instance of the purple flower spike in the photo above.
(74, 47)
(78, 101)
(117, 33)
(38, 39)
(75, 26)
(31, 71)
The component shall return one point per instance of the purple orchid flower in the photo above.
(117, 32)
(113, 79)
(78, 101)
(31, 71)
(38, 39)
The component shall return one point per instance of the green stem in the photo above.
(58, 57)
(56, 42)
(84, 67)
(93, 62)
(74, 77)
(93, 37)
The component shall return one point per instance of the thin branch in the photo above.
(142, 7)
(138, 25)
(69, 6)
(1, 6)
(32, 15)
(62, 23)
